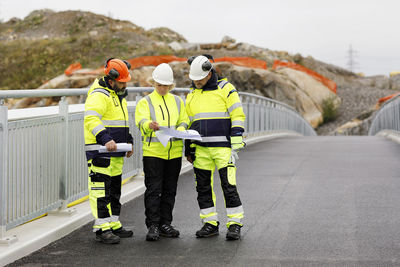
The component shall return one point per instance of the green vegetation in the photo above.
(39, 48)
(329, 109)
(29, 64)
(30, 23)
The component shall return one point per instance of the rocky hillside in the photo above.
(40, 47)
(43, 44)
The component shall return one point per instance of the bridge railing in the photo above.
(387, 118)
(42, 160)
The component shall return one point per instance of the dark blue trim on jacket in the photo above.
(237, 131)
(212, 127)
(103, 137)
(95, 154)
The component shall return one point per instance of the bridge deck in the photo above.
(330, 201)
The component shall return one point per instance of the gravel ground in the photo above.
(355, 101)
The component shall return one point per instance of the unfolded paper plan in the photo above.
(121, 147)
(165, 133)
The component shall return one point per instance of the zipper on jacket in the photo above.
(162, 112)
(169, 117)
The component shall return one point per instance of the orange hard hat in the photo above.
(118, 70)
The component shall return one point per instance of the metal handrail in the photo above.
(46, 150)
(387, 117)
(4, 94)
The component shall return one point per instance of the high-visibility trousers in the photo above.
(206, 158)
(161, 179)
(105, 177)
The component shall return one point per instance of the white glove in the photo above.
(234, 157)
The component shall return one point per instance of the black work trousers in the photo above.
(161, 180)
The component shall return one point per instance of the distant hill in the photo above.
(43, 44)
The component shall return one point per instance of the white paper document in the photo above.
(121, 147)
(165, 133)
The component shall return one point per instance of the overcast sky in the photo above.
(320, 28)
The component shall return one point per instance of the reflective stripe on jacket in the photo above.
(106, 118)
(216, 114)
(169, 111)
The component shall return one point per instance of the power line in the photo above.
(351, 55)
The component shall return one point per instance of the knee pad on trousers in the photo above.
(231, 194)
(203, 188)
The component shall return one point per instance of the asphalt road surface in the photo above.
(308, 201)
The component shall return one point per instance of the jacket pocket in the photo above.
(231, 174)
(101, 162)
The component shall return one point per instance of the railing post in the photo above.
(4, 240)
(63, 111)
(63, 191)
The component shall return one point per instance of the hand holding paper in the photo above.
(165, 133)
(121, 147)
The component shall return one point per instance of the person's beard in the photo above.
(119, 91)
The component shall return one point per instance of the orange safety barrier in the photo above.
(156, 60)
(72, 68)
(244, 62)
(325, 81)
(386, 98)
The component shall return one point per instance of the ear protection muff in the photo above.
(206, 66)
(127, 64)
(113, 73)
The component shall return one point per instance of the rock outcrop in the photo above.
(357, 126)
(292, 87)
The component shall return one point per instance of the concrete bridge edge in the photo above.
(390, 134)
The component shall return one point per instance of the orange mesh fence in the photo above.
(386, 98)
(325, 81)
(73, 67)
(156, 60)
(244, 62)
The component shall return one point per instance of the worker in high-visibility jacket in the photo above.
(106, 124)
(161, 164)
(215, 111)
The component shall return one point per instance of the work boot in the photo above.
(233, 232)
(167, 230)
(107, 237)
(153, 234)
(207, 230)
(122, 232)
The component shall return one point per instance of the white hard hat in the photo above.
(199, 68)
(163, 74)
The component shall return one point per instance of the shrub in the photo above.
(329, 109)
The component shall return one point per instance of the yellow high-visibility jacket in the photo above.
(106, 119)
(169, 111)
(215, 111)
